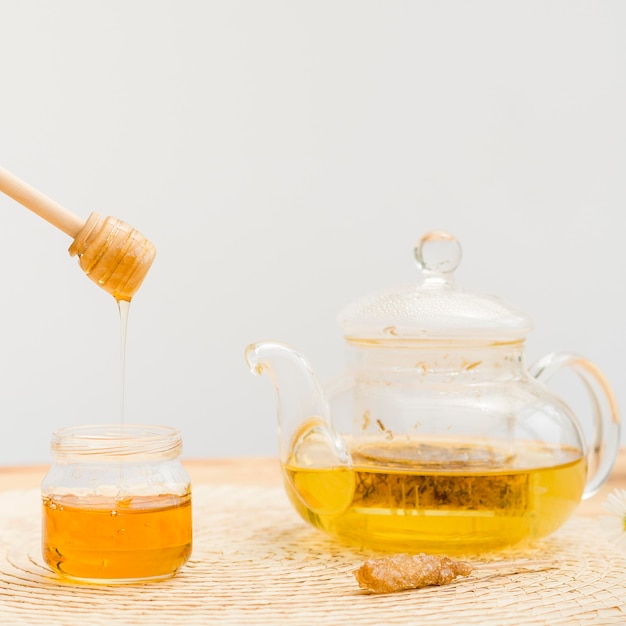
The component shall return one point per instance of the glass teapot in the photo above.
(437, 437)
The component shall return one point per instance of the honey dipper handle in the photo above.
(40, 204)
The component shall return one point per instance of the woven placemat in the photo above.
(256, 562)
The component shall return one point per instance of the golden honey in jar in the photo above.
(116, 504)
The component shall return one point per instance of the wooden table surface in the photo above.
(265, 472)
(267, 568)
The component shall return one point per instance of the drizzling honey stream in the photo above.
(113, 254)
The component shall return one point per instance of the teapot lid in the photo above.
(435, 309)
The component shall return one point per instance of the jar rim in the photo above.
(116, 441)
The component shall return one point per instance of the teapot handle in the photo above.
(605, 444)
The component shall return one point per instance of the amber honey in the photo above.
(455, 506)
(97, 538)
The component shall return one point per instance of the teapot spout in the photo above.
(306, 435)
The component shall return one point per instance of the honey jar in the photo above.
(116, 504)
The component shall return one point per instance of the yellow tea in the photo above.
(455, 506)
(92, 538)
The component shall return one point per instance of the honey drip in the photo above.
(93, 538)
(445, 506)
(124, 309)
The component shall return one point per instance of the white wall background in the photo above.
(284, 157)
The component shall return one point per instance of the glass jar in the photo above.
(116, 504)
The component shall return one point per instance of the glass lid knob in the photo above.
(438, 254)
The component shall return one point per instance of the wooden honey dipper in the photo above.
(113, 254)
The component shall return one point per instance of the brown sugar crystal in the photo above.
(404, 571)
